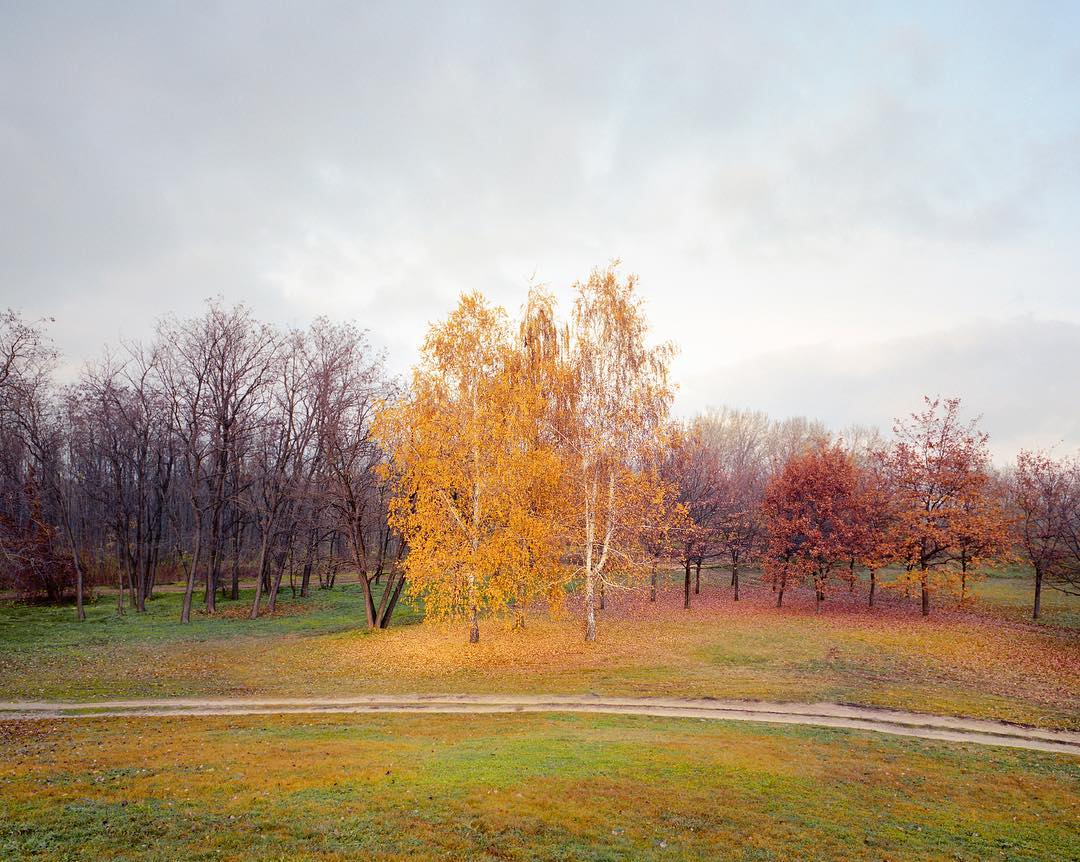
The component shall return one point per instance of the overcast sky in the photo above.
(833, 208)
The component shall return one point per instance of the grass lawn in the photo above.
(536, 787)
(986, 662)
(519, 787)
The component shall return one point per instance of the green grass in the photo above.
(522, 788)
(1010, 593)
(539, 787)
(49, 627)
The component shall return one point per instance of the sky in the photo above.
(833, 208)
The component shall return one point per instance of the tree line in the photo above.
(534, 457)
(223, 446)
(526, 460)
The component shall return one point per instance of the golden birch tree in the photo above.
(473, 485)
(618, 398)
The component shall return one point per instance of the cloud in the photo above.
(777, 175)
(1018, 375)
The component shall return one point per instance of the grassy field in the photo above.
(519, 787)
(537, 787)
(986, 662)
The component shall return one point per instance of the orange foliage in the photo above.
(813, 518)
(521, 465)
(475, 490)
(947, 521)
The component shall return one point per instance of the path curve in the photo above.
(889, 721)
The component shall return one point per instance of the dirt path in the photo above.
(819, 714)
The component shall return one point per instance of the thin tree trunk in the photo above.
(924, 582)
(369, 603)
(590, 535)
(80, 611)
(873, 586)
(185, 613)
(387, 611)
(211, 580)
(271, 604)
(309, 561)
(1038, 593)
(274, 587)
(652, 595)
(590, 611)
(474, 627)
(129, 568)
(686, 585)
(735, 580)
(119, 581)
(697, 578)
(264, 548)
(234, 592)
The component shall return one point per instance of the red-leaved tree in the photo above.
(811, 513)
(944, 509)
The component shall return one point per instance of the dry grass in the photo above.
(973, 662)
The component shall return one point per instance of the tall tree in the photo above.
(694, 470)
(1046, 497)
(740, 439)
(467, 469)
(350, 385)
(620, 397)
(811, 516)
(875, 534)
(939, 468)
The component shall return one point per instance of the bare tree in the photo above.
(1046, 498)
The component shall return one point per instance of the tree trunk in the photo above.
(924, 583)
(185, 613)
(211, 584)
(386, 613)
(80, 611)
(697, 578)
(590, 611)
(369, 603)
(305, 581)
(119, 581)
(234, 592)
(1038, 593)
(264, 548)
(686, 586)
(603, 603)
(474, 627)
(735, 580)
(271, 605)
(873, 586)
(652, 595)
